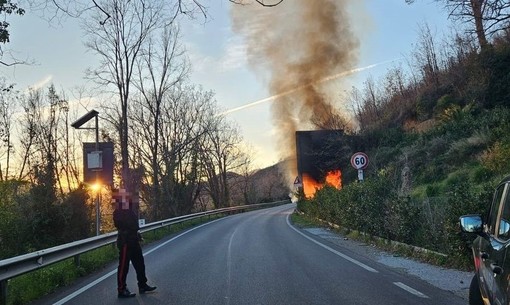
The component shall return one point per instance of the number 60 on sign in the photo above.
(359, 160)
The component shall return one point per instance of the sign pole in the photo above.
(98, 212)
(360, 175)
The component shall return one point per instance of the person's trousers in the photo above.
(130, 252)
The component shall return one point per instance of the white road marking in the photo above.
(229, 267)
(104, 277)
(411, 290)
(85, 288)
(352, 260)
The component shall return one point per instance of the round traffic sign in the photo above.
(359, 160)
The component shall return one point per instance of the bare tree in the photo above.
(486, 16)
(367, 105)
(45, 139)
(161, 68)
(426, 56)
(8, 99)
(188, 120)
(58, 9)
(58, 108)
(335, 121)
(241, 182)
(119, 41)
(221, 155)
(28, 125)
(185, 118)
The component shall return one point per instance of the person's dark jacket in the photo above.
(126, 223)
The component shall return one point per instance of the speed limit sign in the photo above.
(359, 160)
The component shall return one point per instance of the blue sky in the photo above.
(386, 29)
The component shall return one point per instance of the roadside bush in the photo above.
(304, 205)
(463, 198)
(374, 207)
(401, 220)
(431, 219)
(369, 200)
(325, 203)
(363, 206)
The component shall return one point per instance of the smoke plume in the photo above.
(294, 45)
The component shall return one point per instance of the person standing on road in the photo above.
(128, 242)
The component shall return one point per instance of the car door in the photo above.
(493, 271)
(501, 275)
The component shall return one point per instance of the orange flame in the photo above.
(334, 178)
(311, 186)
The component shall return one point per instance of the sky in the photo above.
(387, 31)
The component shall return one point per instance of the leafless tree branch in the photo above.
(102, 10)
(268, 5)
(75, 9)
(6, 64)
(261, 2)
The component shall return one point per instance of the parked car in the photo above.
(490, 284)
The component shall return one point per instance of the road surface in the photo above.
(257, 258)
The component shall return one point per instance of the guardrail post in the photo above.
(3, 292)
(77, 260)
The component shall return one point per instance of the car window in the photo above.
(504, 223)
(494, 212)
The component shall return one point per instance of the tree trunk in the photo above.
(476, 6)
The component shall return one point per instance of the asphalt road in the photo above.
(258, 258)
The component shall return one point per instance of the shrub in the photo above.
(496, 158)
(443, 103)
(374, 207)
(325, 203)
(400, 220)
(481, 174)
(463, 198)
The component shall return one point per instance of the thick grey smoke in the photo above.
(295, 45)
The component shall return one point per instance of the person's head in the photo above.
(125, 205)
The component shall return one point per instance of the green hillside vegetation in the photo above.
(438, 142)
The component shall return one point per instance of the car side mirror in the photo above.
(504, 228)
(471, 224)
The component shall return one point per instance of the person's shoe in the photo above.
(126, 294)
(145, 288)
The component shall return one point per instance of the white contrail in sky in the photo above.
(42, 83)
(271, 98)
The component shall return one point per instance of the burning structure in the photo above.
(322, 155)
(305, 50)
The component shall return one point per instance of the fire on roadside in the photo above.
(310, 185)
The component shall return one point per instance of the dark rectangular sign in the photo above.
(91, 172)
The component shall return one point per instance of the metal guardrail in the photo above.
(15, 266)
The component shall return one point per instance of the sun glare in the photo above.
(95, 187)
